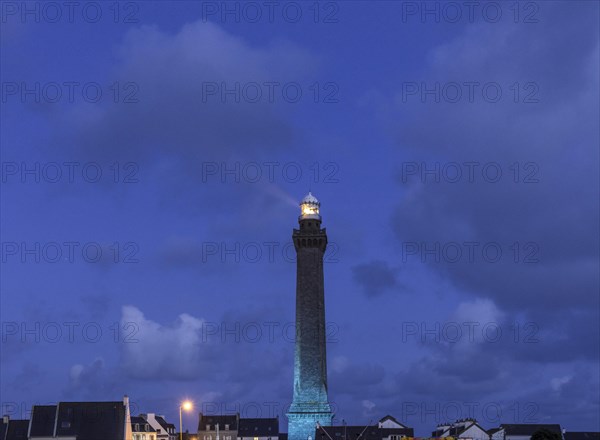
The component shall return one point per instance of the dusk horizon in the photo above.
(325, 213)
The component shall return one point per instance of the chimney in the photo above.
(5, 419)
(125, 400)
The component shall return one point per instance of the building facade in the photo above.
(141, 429)
(521, 431)
(258, 429)
(232, 427)
(388, 428)
(163, 429)
(81, 421)
(13, 429)
(218, 427)
(467, 429)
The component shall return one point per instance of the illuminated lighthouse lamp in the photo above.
(309, 207)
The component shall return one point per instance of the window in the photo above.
(208, 427)
(226, 427)
(143, 436)
(136, 427)
(65, 425)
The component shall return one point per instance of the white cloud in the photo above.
(162, 351)
(483, 311)
(557, 382)
(368, 407)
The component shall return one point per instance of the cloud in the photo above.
(175, 117)
(368, 407)
(93, 381)
(81, 374)
(579, 387)
(482, 311)
(558, 382)
(156, 351)
(555, 218)
(375, 277)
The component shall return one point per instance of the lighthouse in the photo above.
(310, 404)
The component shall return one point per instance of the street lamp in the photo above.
(186, 405)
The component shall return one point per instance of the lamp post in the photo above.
(186, 405)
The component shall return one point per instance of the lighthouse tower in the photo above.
(310, 405)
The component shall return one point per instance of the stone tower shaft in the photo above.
(310, 403)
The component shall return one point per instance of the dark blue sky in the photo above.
(433, 143)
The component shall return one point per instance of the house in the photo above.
(42, 421)
(166, 426)
(390, 422)
(392, 429)
(492, 431)
(221, 427)
(232, 427)
(258, 429)
(348, 432)
(81, 421)
(467, 429)
(141, 429)
(13, 429)
(522, 431)
(163, 429)
(388, 428)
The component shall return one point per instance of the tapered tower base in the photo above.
(302, 425)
